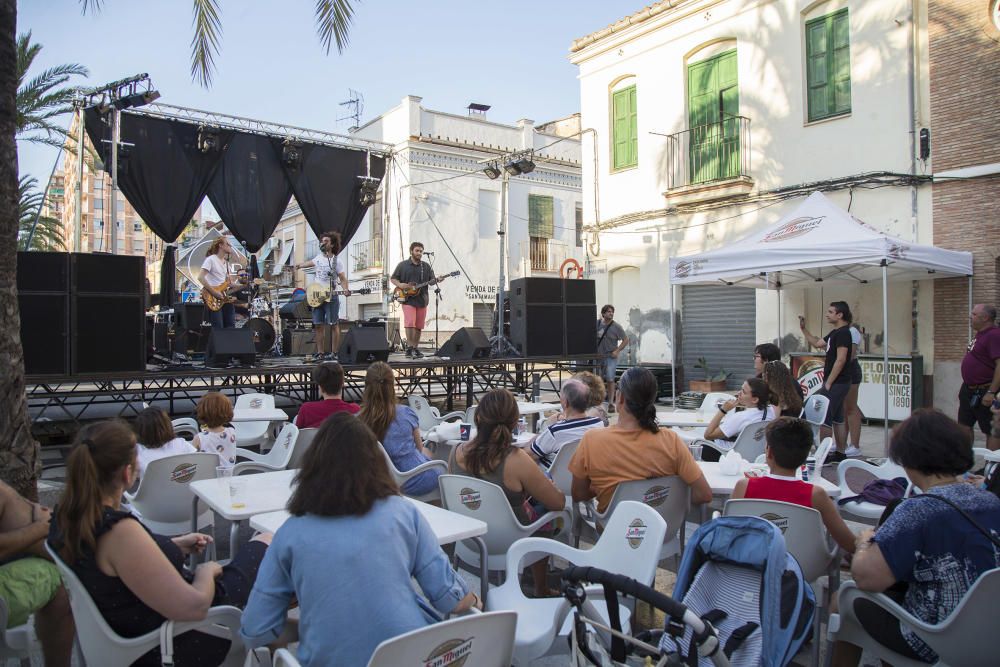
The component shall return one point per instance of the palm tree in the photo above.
(44, 98)
(48, 233)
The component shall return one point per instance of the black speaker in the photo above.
(581, 327)
(189, 316)
(580, 292)
(188, 341)
(537, 290)
(363, 345)
(466, 343)
(295, 310)
(298, 341)
(161, 338)
(44, 331)
(553, 316)
(97, 273)
(536, 330)
(42, 272)
(227, 344)
(108, 333)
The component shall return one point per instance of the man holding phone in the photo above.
(981, 375)
(836, 381)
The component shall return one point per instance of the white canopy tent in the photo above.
(819, 243)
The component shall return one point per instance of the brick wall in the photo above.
(964, 56)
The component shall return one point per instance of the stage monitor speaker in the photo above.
(364, 345)
(537, 290)
(295, 310)
(581, 328)
(189, 316)
(161, 338)
(581, 292)
(44, 329)
(108, 333)
(42, 272)
(97, 273)
(466, 343)
(298, 341)
(225, 345)
(192, 341)
(536, 330)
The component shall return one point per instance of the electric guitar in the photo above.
(400, 295)
(317, 295)
(214, 303)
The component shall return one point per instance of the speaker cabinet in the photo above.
(537, 290)
(42, 272)
(364, 345)
(581, 328)
(553, 316)
(189, 316)
(537, 329)
(98, 273)
(108, 333)
(225, 345)
(44, 332)
(298, 341)
(581, 292)
(466, 343)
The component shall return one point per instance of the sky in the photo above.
(510, 54)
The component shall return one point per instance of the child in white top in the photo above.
(217, 435)
(156, 438)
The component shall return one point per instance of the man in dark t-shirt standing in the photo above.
(980, 375)
(836, 381)
(408, 274)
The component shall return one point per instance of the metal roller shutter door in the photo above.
(720, 324)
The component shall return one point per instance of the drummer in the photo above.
(325, 316)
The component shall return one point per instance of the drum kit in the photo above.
(263, 319)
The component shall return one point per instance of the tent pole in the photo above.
(970, 308)
(885, 354)
(673, 349)
(780, 323)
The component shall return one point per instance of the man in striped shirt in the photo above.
(574, 397)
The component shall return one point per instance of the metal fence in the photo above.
(705, 153)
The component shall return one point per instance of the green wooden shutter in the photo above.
(713, 104)
(540, 216)
(624, 124)
(828, 65)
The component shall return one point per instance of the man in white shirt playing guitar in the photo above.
(217, 281)
(325, 317)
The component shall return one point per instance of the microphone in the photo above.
(429, 254)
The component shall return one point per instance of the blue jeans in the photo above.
(607, 367)
(223, 318)
(327, 313)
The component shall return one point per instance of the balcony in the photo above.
(367, 255)
(709, 161)
(546, 255)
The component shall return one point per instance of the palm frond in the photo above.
(48, 232)
(88, 4)
(205, 43)
(333, 22)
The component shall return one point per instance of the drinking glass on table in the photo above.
(695, 449)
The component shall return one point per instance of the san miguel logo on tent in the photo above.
(452, 653)
(897, 250)
(470, 498)
(796, 227)
(682, 269)
(636, 533)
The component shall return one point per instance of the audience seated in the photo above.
(762, 354)
(492, 456)
(217, 435)
(348, 553)
(29, 582)
(926, 554)
(596, 395)
(786, 393)
(750, 406)
(329, 378)
(574, 397)
(634, 448)
(397, 428)
(156, 438)
(136, 578)
(789, 440)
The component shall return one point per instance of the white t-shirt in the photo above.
(736, 420)
(222, 444)
(147, 455)
(325, 265)
(218, 270)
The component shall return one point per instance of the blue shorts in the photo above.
(607, 367)
(327, 313)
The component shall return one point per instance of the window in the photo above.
(98, 203)
(713, 118)
(624, 135)
(136, 226)
(828, 65)
(541, 228)
(579, 225)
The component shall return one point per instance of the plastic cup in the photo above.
(223, 474)
(695, 451)
(237, 492)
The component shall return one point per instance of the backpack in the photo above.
(879, 492)
(737, 575)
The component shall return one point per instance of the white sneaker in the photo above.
(853, 452)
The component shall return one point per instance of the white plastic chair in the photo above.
(963, 638)
(18, 642)
(629, 545)
(486, 501)
(814, 411)
(807, 540)
(284, 658)
(164, 497)
(427, 415)
(860, 510)
(302, 443)
(822, 451)
(710, 403)
(402, 477)
(186, 427)
(559, 471)
(103, 646)
(669, 497)
(249, 434)
(487, 640)
(750, 442)
(277, 457)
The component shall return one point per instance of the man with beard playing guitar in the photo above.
(328, 266)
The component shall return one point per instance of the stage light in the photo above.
(134, 99)
(208, 139)
(291, 154)
(525, 165)
(491, 171)
(369, 186)
(512, 168)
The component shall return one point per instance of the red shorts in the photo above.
(413, 317)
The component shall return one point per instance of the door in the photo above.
(713, 110)
(720, 324)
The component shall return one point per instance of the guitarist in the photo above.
(328, 267)
(214, 272)
(407, 275)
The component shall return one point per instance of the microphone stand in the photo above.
(437, 321)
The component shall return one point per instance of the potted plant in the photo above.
(714, 380)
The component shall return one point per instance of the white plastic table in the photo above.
(448, 527)
(444, 445)
(259, 415)
(723, 485)
(683, 418)
(526, 408)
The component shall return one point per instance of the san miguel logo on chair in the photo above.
(780, 521)
(636, 533)
(655, 496)
(183, 473)
(452, 653)
(470, 498)
(796, 227)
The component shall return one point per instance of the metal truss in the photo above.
(263, 127)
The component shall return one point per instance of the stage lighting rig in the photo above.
(291, 154)
(369, 186)
(208, 139)
(492, 171)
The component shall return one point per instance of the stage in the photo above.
(58, 404)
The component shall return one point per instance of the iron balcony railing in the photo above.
(367, 254)
(717, 151)
(547, 255)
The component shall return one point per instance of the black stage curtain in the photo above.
(250, 190)
(168, 270)
(327, 188)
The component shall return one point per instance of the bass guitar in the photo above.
(400, 295)
(317, 295)
(214, 303)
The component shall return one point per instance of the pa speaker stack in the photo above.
(553, 316)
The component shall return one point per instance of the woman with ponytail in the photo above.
(493, 457)
(634, 448)
(136, 578)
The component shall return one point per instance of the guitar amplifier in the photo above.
(298, 342)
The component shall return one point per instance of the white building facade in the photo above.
(705, 120)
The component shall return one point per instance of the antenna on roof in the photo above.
(356, 106)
